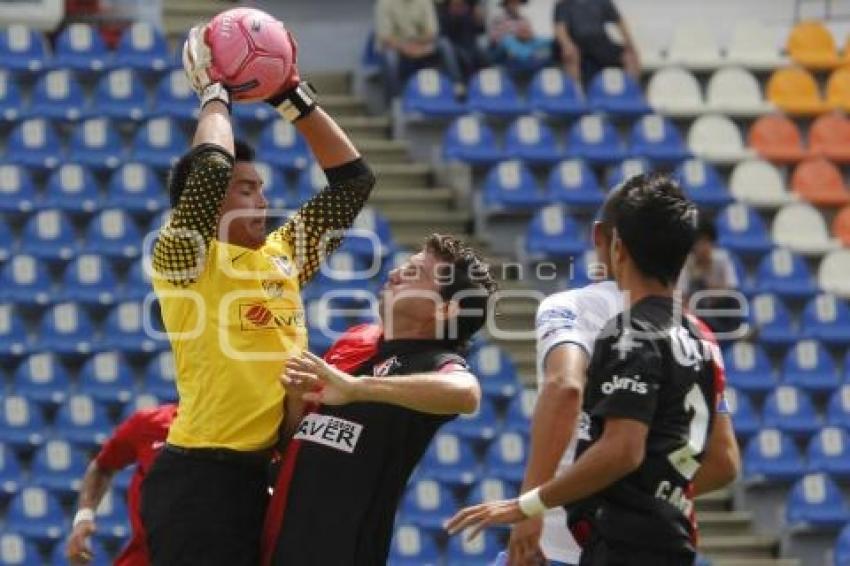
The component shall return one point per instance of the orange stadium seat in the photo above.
(776, 138)
(811, 44)
(838, 90)
(829, 136)
(794, 90)
(818, 181)
(841, 226)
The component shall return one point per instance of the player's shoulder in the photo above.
(599, 295)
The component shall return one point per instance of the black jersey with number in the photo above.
(654, 367)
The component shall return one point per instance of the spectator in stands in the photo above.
(461, 22)
(512, 39)
(407, 33)
(592, 35)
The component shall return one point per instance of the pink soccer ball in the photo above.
(251, 53)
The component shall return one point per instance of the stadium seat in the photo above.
(310, 181)
(16, 550)
(826, 318)
(675, 92)
(22, 423)
(34, 143)
(734, 91)
(80, 47)
(125, 330)
(479, 426)
(625, 170)
(748, 368)
(113, 234)
(759, 184)
(470, 140)
(829, 452)
(809, 366)
(491, 489)
(594, 138)
(529, 139)
(816, 501)
(174, 97)
(742, 230)
(58, 467)
(137, 285)
(7, 242)
(506, 455)
(841, 226)
(281, 145)
(158, 143)
(450, 460)
(555, 93)
(142, 47)
(493, 92)
(776, 138)
(275, 187)
(819, 182)
(773, 320)
(658, 140)
(159, 377)
(413, 546)
(791, 410)
(83, 421)
(811, 45)
(11, 473)
(694, 46)
(785, 274)
(135, 188)
(97, 144)
(753, 46)
(615, 93)
(479, 551)
(573, 183)
(111, 518)
(323, 326)
(794, 91)
(23, 49)
(650, 45)
(772, 456)
(841, 552)
(521, 410)
(107, 378)
(744, 415)
(49, 235)
(36, 514)
(16, 188)
(786, 232)
(702, 183)
(553, 233)
(11, 102)
(57, 96)
(253, 112)
(829, 137)
(832, 273)
(430, 93)
(13, 333)
(376, 225)
(72, 188)
(717, 139)
(66, 329)
(120, 95)
(427, 504)
(511, 185)
(838, 90)
(42, 379)
(24, 280)
(838, 407)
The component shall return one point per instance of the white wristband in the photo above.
(84, 514)
(530, 503)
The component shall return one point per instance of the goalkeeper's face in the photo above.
(243, 212)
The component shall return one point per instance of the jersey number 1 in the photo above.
(684, 459)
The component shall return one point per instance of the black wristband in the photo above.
(296, 102)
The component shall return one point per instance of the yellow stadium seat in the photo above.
(838, 90)
(794, 90)
(811, 44)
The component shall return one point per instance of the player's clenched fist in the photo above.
(77, 549)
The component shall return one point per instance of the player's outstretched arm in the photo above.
(722, 460)
(95, 484)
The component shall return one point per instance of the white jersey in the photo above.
(576, 317)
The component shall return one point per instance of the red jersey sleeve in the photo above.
(119, 451)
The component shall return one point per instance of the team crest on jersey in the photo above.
(283, 264)
(386, 367)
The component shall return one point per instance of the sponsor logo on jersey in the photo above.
(632, 384)
(386, 367)
(330, 431)
(260, 317)
(675, 496)
(560, 317)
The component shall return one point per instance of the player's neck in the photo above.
(639, 287)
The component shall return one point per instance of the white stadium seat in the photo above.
(734, 91)
(754, 46)
(694, 46)
(801, 228)
(651, 52)
(759, 183)
(674, 91)
(833, 273)
(717, 139)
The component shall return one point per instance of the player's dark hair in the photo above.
(706, 229)
(656, 223)
(471, 284)
(177, 177)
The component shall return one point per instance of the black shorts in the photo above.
(599, 552)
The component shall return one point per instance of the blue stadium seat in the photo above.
(89, 280)
(470, 140)
(493, 92)
(816, 501)
(159, 377)
(13, 333)
(49, 235)
(23, 49)
(614, 92)
(520, 410)
(772, 456)
(430, 93)
(95, 142)
(11, 102)
(625, 170)
(24, 280)
(142, 47)
(412, 546)
(786, 274)
(113, 234)
(139, 402)
(479, 551)
(809, 366)
(137, 286)
(344, 268)
(529, 139)
(511, 185)
(495, 370)
(174, 97)
(111, 518)
(275, 187)
(428, 503)
(42, 379)
(829, 452)
(450, 460)
(310, 181)
(702, 183)
(323, 327)
(253, 112)
(120, 95)
(656, 138)
(838, 408)
(16, 550)
(744, 416)
(80, 47)
(491, 489)
(57, 96)
(158, 143)
(34, 143)
(36, 514)
(368, 225)
(58, 466)
(827, 318)
(842, 548)
(791, 410)
(66, 329)
(125, 330)
(83, 421)
(479, 426)
(134, 187)
(585, 270)
(573, 183)
(742, 230)
(594, 138)
(107, 377)
(10, 472)
(506, 455)
(553, 233)
(17, 189)
(748, 368)
(72, 188)
(281, 145)
(554, 92)
(773, 320)
(21, 423)
(100, 556)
